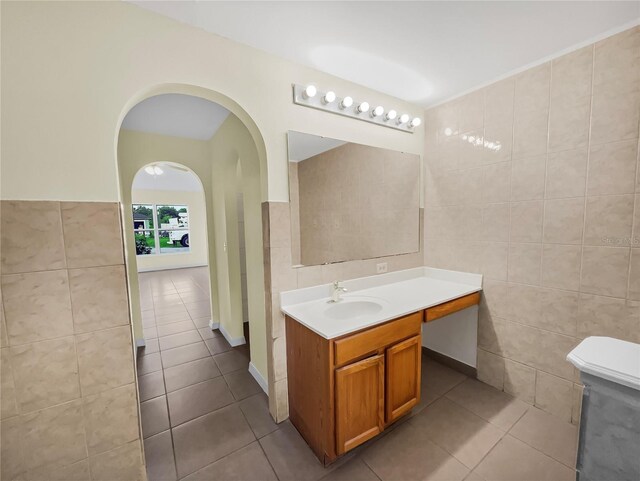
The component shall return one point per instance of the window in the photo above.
(161, 229)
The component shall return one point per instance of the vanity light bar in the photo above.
(310, 96)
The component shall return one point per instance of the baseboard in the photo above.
(234, 341)
(258, 377)
(141, 343)
(159, 269)
(213, 325)
(450, 362)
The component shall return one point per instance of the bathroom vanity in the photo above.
(354, 366)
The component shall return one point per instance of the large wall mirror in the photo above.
(351, 201)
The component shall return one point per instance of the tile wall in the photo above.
(552, 218)
(68, 393)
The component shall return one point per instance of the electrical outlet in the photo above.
(381, 268)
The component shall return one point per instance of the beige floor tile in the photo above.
(155, 417)
(460, 432)
(180, 339)
(175, 328)
(183, 354)
(407, 454)
(242, 384)
(290, 456)
(203, 322)
(208, 438)
(151, 346)
(244, 349)
(218, 345)
(248, 463)
(513, 460)
(199, 399)
(473, 476)
(149, 363)
(167, 296)
(354, 470)
(487, 402)
(170, 318)
(205, 333)
(193, 296)
(256, 412)
(150, 332)
(149, 323)
(549, 434)
(439, 379)
(163, 306)
(190, 373)
(231, 361)
(158, 452)
(151, 385)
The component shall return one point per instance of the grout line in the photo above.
(588, 169)
(529, 406)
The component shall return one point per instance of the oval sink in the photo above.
(351, 308)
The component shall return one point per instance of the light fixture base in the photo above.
(334, 108)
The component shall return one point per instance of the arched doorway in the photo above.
(206, 379)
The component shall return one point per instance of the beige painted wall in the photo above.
(197, 255)
(551, 219)
(68, 150)
(236, 169)
(215, 162)
(356, 202)
(137, 149)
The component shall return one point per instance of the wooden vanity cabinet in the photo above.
(359, 402)
(403, 378)
(345, 391)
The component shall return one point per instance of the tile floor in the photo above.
(205, 418)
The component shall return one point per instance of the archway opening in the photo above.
(199, 330)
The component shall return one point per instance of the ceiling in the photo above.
(302, 146)
(177, 115)
(171, 179)
(423, 52)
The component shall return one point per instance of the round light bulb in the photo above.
(378, 111)
(329, 97)
(404, 118)
(346, 102)
(149, 170)
(415, 122)
(363, 107)
(310, 91)
(157, 170)
(391, 114)
(448, 131)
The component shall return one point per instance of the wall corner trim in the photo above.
(258, 377)
(213, 325)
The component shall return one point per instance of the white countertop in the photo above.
(398, 293)
(612, 359)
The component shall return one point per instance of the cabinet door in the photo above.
(403, 377)
(359, 392)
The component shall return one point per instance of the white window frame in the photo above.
(156, 229)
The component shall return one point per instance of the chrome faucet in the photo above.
(337, 290)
